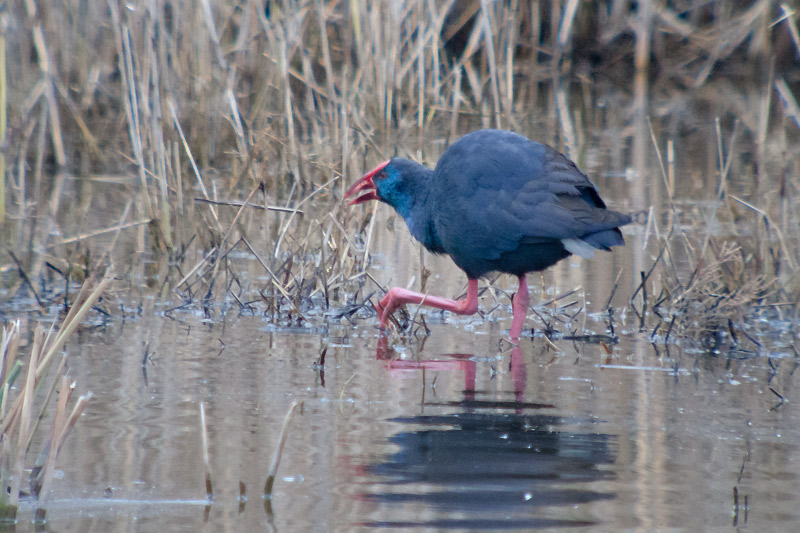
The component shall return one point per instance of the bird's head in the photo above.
(399, 182)
(406, 186)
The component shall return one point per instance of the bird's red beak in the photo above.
(365, 185)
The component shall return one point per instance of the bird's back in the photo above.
(506, 203)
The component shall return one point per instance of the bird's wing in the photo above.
(499, 193)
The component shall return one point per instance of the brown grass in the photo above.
(229, 103)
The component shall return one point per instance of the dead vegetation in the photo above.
(25, 408)
(225, 132)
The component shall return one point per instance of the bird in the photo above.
(496, 201)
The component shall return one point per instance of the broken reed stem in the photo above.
(276, 458)
(18, 424)
(23, 428)
(65, 391)
(47, 399)
(77, 410)
(206, 460)
(75, 316)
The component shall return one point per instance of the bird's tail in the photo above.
(602, 240)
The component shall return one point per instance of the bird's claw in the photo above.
(385, 308)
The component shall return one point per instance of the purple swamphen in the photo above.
(496, 202)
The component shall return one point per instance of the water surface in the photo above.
(608, 428)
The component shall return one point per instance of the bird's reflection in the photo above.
(463, 362)
(477, 470)
(487, 463)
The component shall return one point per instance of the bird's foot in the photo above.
(386, 306)
(382, 315)
(384, 309)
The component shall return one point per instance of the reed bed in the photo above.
(202, 148)
(232, 128)
(20, 426)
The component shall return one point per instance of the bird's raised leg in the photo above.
(397, 297)
(520, 306)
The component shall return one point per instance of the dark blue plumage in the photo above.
(496, 201)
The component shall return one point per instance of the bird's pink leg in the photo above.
(520, 307)
(397, 297)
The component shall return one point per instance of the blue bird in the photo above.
(496, 202)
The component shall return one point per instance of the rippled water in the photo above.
(608, 430)
(456, 430)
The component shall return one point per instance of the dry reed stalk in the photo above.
(23, 428)
(276, 458)
(567, 126)
(117, 228)
(789, 17)
(159, 150)
(330, 73)
(131, 105)
(9, 344)
(196, 170)
(716, 294)
(643, 31)
(511, 33)
(55, 429)
(275, 281)
(260, 207)
(789, 102)
(48, 75)
(297, 210)
(206, 459)
(790, 258)
(3, 115)
(48, 348)
(668, 177)
(232, 225)
(200, 264)
(486, 28)
(46, 402)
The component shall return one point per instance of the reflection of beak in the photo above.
(366, 186)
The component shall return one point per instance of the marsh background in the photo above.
(193, 155)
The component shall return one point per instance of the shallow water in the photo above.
(610, 430)
(452, 431)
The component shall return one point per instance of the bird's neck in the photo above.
(416, 205)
